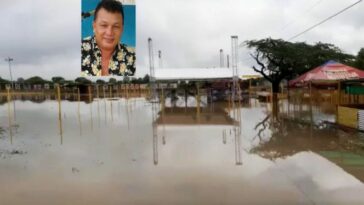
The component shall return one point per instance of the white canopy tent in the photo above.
(194, 74)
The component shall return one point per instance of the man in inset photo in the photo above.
(102, 53)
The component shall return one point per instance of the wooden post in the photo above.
(59, 112)
(118, 90)
(90, 100)
(229, 98)
(338, 93)
(198, 102)
(111, 111)
(250, 85)
(338, 101)
(224, 136)
(311, 117)
(78, 110)
(163, 115)
(127, 92)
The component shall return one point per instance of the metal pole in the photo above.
(221, 58)
(12, 84)
(236, 90)
(160, 58)
(151, 67)
(11, 75)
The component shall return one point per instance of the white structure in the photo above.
(175, 74)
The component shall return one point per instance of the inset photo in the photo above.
(108, 38)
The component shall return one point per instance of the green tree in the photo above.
(126, 79)
(20, 80)
(145, 79)
(58, 79)
(4, 81)
(82, 80)
(134, 80)
(99, 81)
(112, 81)
(359, 61)
(279, 59)
(36, 80)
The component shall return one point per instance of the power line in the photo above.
(302, 14)
(323, 21)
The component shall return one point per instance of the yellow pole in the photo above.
(97, 92)
(105, 111)
(59, 112)
(98, 104)
(338, 93)
(271, 95)
(224, 136)
(250, 85)
(229, 98)
(111, 112)
(163, 115)
(198, 103)
(338, 100)
(311, 117)
(90, 99)
(117, 91)
(127, 92)
(79, 113)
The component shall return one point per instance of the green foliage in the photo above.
(112, 81)
(58, 79)
(126, 79)
(359, 61)
(134, 81)
(279, 59)
(20, 80)
(99, 81)
(4, 81)
(82, 80)
(36, 80)
(146, 79)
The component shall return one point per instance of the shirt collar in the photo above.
(97, 49)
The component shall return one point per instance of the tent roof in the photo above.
(165, 74)
(330, 71)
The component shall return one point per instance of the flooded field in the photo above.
(130, 151)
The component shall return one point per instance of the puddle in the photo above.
(130, 151)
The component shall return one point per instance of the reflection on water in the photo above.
(150, 153)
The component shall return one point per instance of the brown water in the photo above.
(107, 154)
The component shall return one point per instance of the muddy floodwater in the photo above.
(130, 151)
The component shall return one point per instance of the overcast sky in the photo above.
(43, 36)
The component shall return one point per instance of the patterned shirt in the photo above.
(121, 63)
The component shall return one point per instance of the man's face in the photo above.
(108, 28)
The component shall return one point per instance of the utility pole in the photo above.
(221, 58)
(12, 82)
(11, 75)
(160, 58)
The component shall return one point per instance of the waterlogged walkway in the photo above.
(105, 152)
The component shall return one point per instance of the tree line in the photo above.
(77, 81)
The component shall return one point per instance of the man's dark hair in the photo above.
(111, 6)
